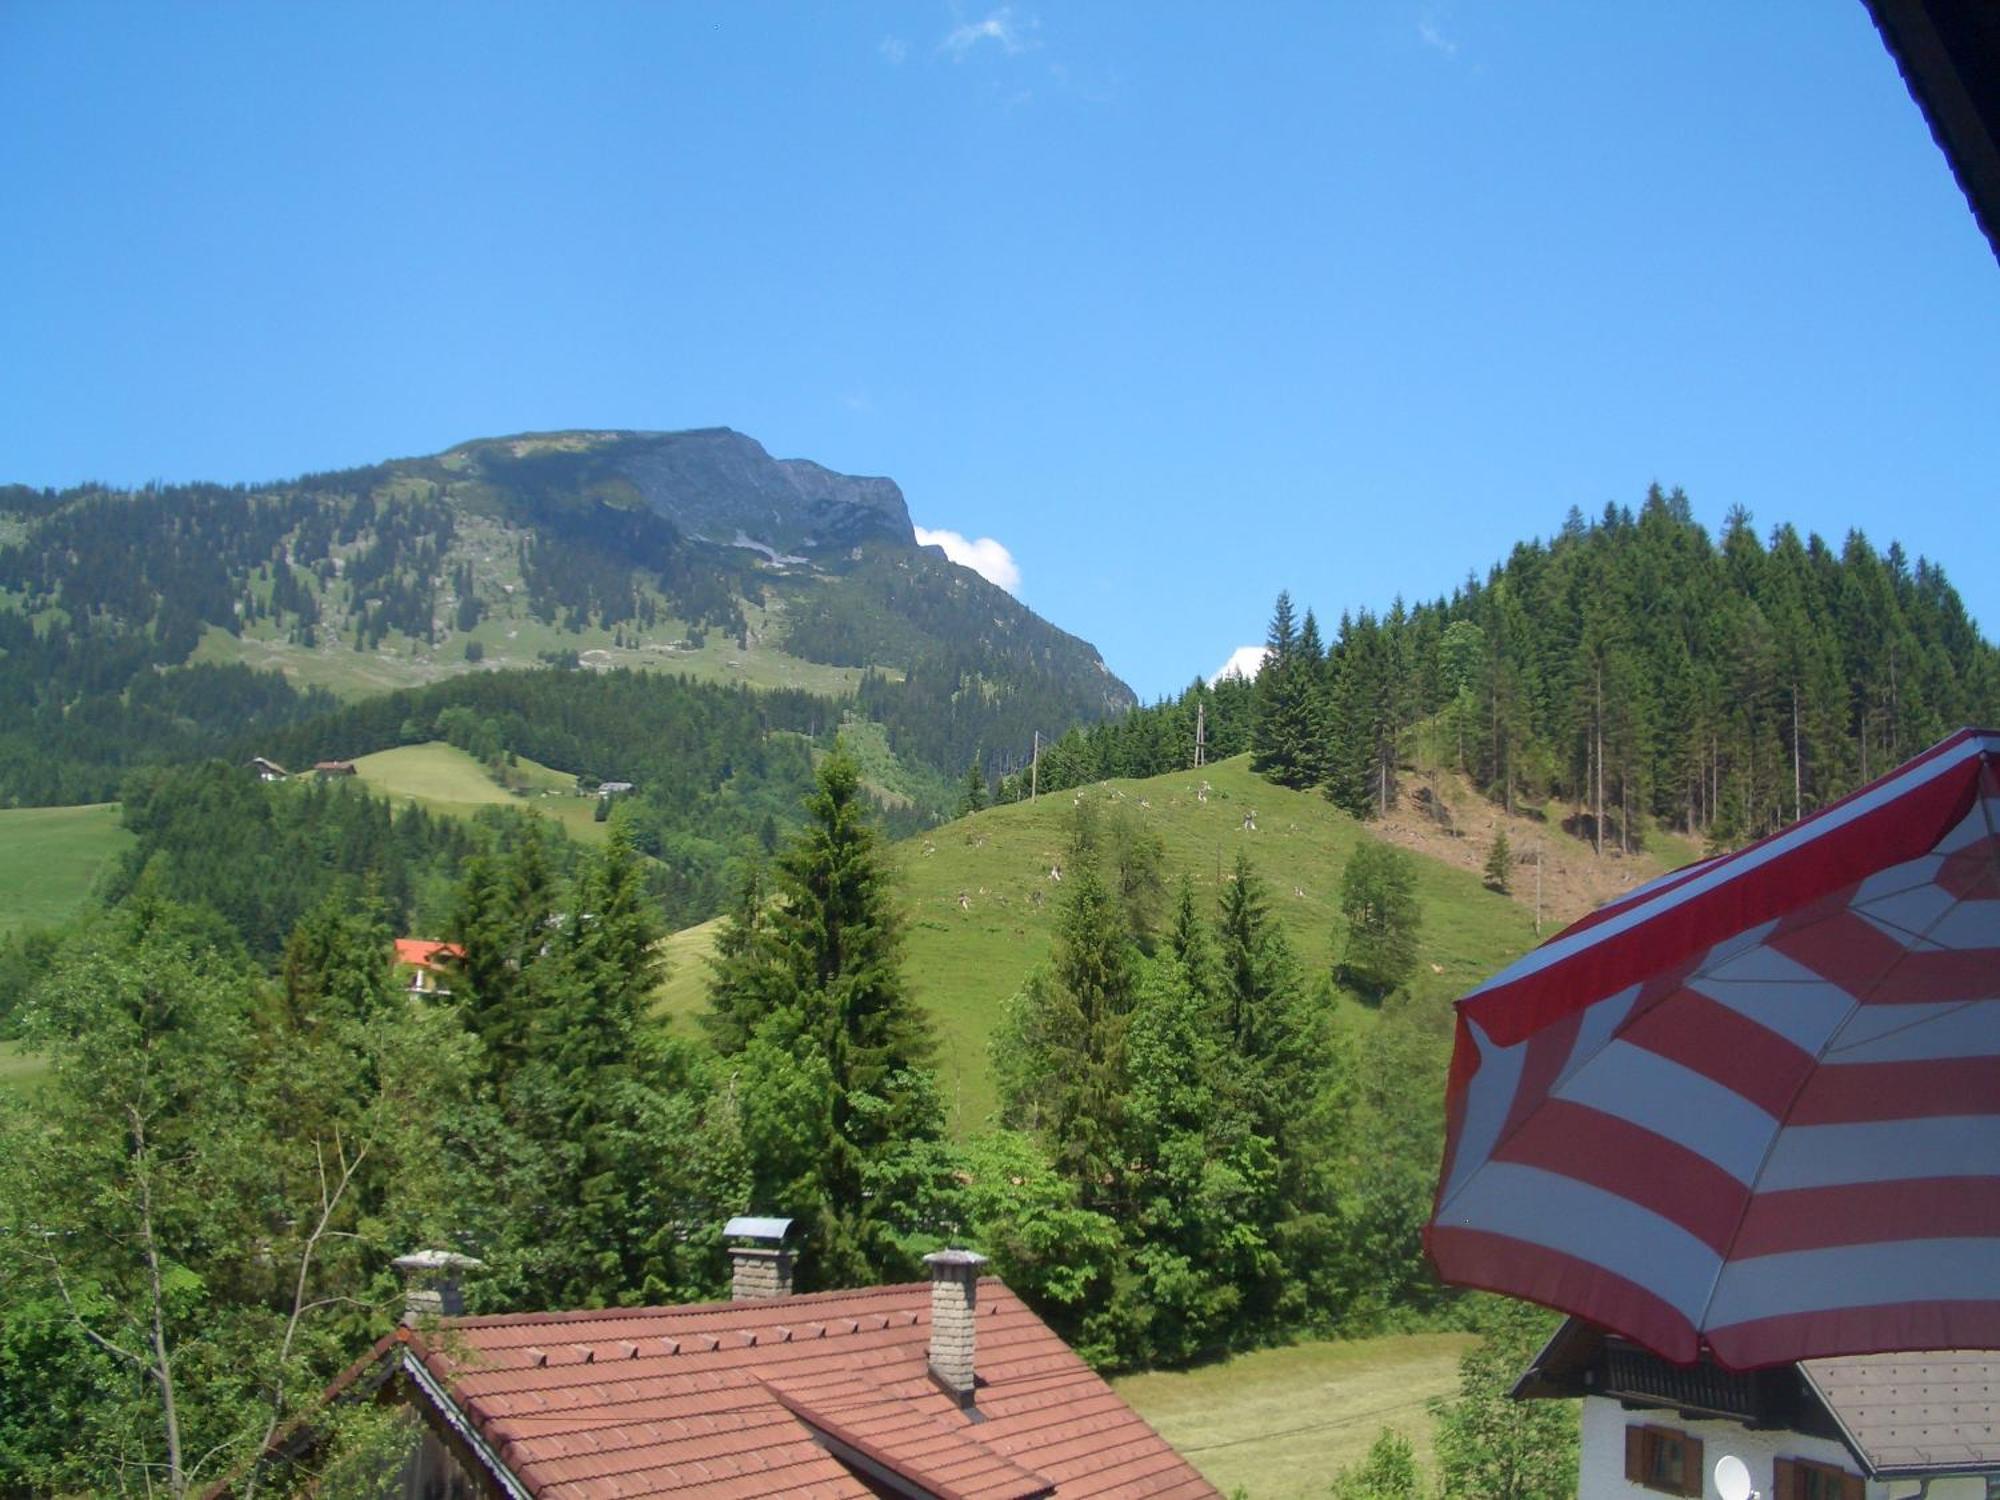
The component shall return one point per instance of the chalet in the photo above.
(613, 788)
(265, 770)
(945, 1388)
(1865, 1427)
(329, 768)
(421, 965)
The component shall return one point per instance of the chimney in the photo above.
(760, 1270)
(954, 1302)
(431, 1284)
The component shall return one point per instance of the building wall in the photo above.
(1601, 1474)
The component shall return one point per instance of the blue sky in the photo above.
(1179, 304)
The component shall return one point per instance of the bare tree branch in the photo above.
(329, 1197)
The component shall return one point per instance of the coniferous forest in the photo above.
(1631, 668)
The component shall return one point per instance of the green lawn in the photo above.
(1281, 1422)
(446, 780)
(49, 859)
(18, 1069)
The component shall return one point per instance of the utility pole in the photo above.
(1538, 887)
(1035, 769)
(1200, 735)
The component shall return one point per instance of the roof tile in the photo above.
(728, 1400)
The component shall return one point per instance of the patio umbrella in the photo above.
(1755, 1105)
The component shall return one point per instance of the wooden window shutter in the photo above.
(1852, 1488)
(1691, 1469)
(1784, 1483)
(1635, 1454)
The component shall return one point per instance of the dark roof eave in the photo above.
(1948, 52)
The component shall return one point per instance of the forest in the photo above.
(1631, 669)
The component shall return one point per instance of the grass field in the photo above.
(49, 859)
(18, 1069)
(980, 903)
(686, 987)
(1281, 1422)
(444, 779)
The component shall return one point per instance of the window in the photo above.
(1802, 1479)
(1664, 1459)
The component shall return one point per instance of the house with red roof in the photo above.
(948, 1388)
(421, 965)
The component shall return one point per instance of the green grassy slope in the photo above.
(685, 991)
(1280, 1422)
(980, 903)
(49, 859)
(444, 779)
(979, 906)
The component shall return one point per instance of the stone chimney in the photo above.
(954, 1305)
(763, 1269)
(431, 1284)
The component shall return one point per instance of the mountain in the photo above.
(142, 626)
(712, 483)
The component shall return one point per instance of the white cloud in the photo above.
(1433, 36)
(986, 557)
(1245, 662)
(1000, 27)
(892, 50)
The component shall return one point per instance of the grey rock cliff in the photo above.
(714, 482)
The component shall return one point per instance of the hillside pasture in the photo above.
(684, 992)
(1280, 1423)
(443, 779)
(980, 898)
(50, 858)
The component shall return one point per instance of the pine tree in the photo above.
(973, 797)
(814, 999)
(1499, 864)
(1284, 741)
(1188, 943)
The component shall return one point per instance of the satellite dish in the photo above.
(1732, 1478)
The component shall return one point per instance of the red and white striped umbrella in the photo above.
(1755, 1105)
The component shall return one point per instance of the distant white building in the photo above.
(613, 788)
(1868, 1427)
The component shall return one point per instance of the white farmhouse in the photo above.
(1869, 1427)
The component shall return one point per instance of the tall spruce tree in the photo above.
(1283, 743)
(1061, 1049)
(835, 1044)
(973, 796)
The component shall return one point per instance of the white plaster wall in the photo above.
(1601, 1474)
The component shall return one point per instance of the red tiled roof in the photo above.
(735, 1399)
(420, 953)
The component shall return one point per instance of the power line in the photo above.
(1264, 1437)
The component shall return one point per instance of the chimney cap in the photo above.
(746, 1227)
(939, 1260)
(437, 1260)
